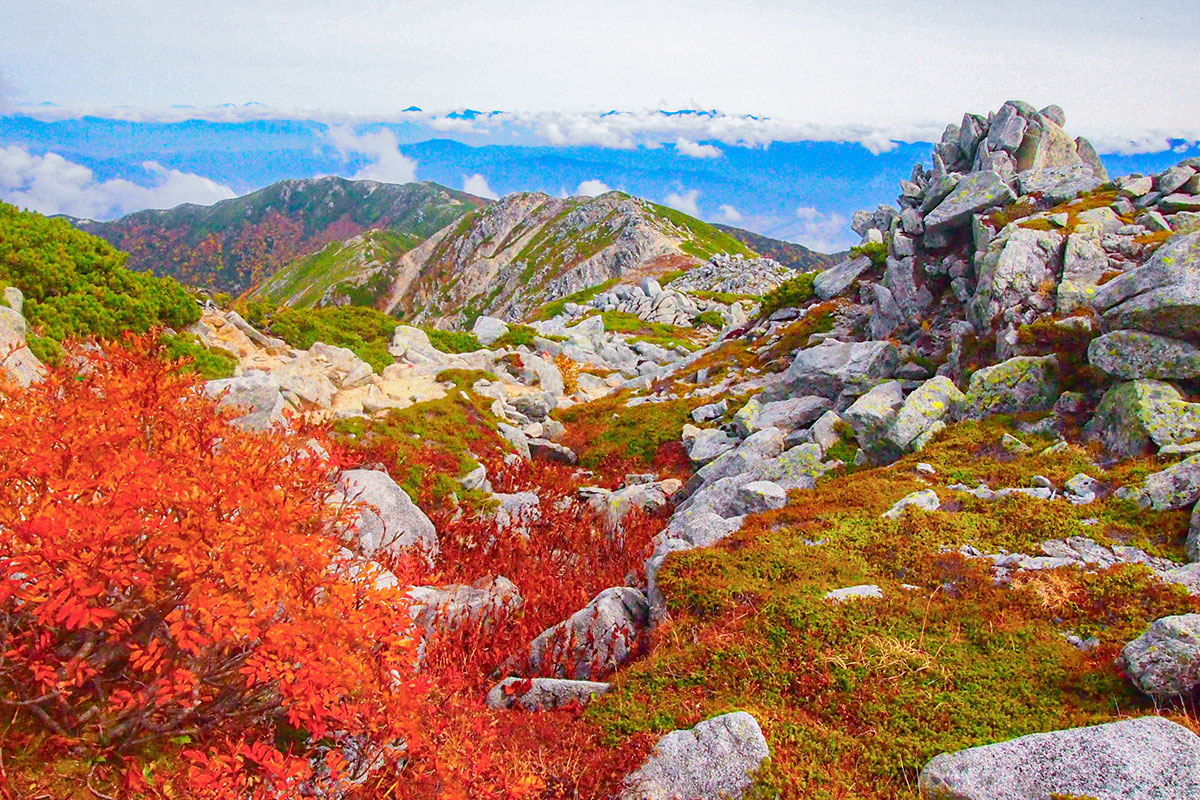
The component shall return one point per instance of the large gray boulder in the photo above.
(1177, 486)
(1136, 354)
(830, 367)
(542, 694)
(256, 395)
(930, 403)
(837, 279)
(1059, 184)
(1021, 384)
(18, 364)
(595, 640)
(1139, 417)
(716, 760)
(976, 192)
(1149, 758)
(1161, 296)
(1164, 662)
(387, 520)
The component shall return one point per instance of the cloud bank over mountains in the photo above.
(53, 185)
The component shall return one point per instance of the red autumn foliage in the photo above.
(163, 574)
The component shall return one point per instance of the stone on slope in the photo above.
(925, 499)
(1084, 265)
(18, 364)
(446, 609)
(595, 640)
(1177, 486)
(928, 404)
(976, 192)
(1139, 417)
(488, 329)
(1012, 274)
(865, 591)
(1136, 354)
(1020, 384)
(542, 694)
(832, 366)
(1059, 184)
(1149, 758)
(1162, 296)
(1192, 544)
(787, 415)
(516, 437)
(709, 444)
(1164, 662)
(256, 394)
(388, 521)
(872, 414)
(758, 496)
(837, 279)
(716, 760)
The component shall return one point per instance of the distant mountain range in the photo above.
(236, 244)
(432, 254)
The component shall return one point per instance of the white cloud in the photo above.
(477, 185)
(826, 233)
(730, 214)
(389, 165)
(685, 202)
(53, 185)
(689, 148)
(592, 188)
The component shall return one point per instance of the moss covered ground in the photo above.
(855, 698)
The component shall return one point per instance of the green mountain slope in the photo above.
(236, 244)
(796, 256)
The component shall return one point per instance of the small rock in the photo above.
(866, 591)
(925, 499)
(542, 694)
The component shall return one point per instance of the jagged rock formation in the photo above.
(527, 249)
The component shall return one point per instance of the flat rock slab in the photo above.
(542, 694)
(1139, 759)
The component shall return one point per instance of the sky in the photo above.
(811, 108)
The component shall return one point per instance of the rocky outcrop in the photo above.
(1139, 759)
(18, 364)
(1140, 417)
(716, 760)
(255, 397)
(1162, 296)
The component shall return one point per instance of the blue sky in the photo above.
(824, 106)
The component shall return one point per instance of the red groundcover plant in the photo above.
(164, 575)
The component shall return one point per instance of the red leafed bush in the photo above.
(163, 574)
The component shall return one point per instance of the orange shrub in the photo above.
(163, 574)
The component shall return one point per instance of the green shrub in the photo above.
(792, 292)
(454, 341)
(712, 319)
(76, 287)
(517, 336)
(876, 251)
(364, 330)
(209, 363)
